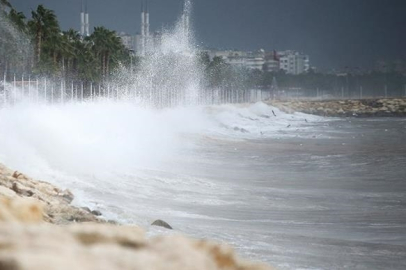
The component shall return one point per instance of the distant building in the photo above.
(234, 58)
(293, 62)
(223, 54)
(255, 60)
(250, 60)
(272, 62)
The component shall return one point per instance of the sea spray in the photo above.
(170, 74)
(15, 47)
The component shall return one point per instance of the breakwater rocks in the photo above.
(346, 108)
(40, 230)
(53, 204)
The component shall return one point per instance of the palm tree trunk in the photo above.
(103, 64)
(39, 43)
(107, 63)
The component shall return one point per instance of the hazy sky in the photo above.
(335, 33)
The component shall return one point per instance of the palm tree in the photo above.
(18, 19)
(43, 25)
(105, 45)
(71, 41)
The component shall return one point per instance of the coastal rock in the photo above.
(102, 246)
(340, 108)
(40, 232)
(54, 202)
(96, 213)
(90, 234)
(161, 223)
(16, 210)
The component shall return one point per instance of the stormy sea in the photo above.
(295, 190)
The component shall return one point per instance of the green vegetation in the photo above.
(38, 46)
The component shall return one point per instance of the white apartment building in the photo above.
(293, 62)
(250, 60)
(271, 65)
(255, 63)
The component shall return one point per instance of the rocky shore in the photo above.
(346, 108)
(41, 230)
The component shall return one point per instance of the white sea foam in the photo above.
(100, 137)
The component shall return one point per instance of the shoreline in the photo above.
(41, 230)
(382, 107)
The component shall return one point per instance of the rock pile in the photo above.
(346, 108)
(53, 202)
(30, 238)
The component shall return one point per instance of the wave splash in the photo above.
(117, 136)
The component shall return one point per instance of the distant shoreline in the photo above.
(377, 107)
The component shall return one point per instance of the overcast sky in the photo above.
(335, 33)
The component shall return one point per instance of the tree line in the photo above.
(37, 45)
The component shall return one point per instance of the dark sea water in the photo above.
(320, 203)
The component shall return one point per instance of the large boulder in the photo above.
(161, 223)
